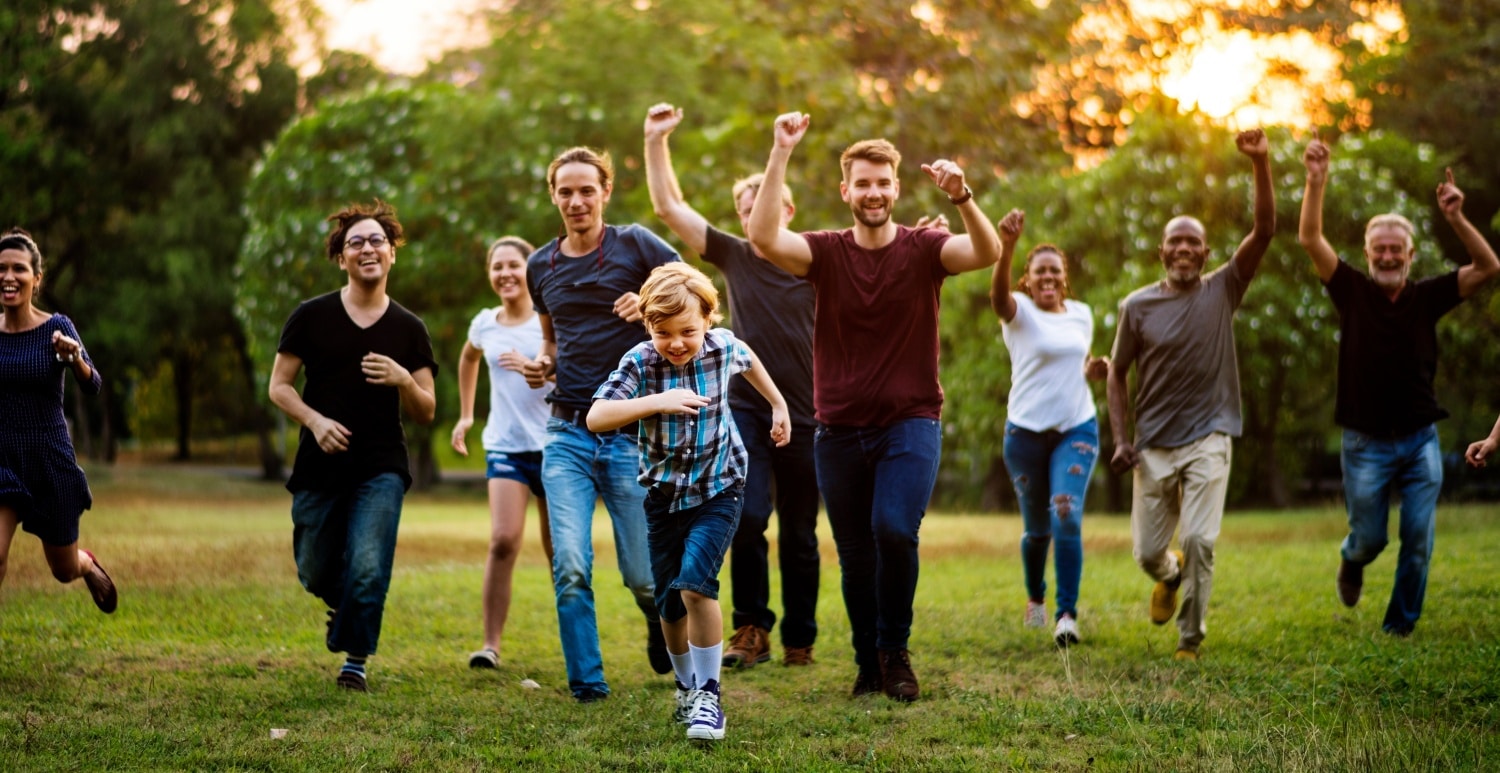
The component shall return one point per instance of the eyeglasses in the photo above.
(357, 243)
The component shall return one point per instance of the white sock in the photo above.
(706, 662)
(682, 665)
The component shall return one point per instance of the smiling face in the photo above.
(1388, 253)
(508, 273)
(366, 262)
(1047, 280)
(580, 196)
(679, 337)
(1184, 250)
(18, 280)
(870, 191)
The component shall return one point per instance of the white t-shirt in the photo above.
(518, 413)
(1047, 352)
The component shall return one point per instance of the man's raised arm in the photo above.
(979, 246)
(1310, 228)
(1483, 265)
(1254, 144)
(783, 247)
(666, 194)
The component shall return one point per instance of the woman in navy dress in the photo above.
(42, 488)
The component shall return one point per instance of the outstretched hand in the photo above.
(1450, 198)
(790, 127)
(948, 176)
(1479, 453)
(661, 119)
(1315, 158)
(1253, 143)
(1011, 227)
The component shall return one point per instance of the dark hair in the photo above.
(520, 245)
(344, 219)
(17, 239)
(599, 159)
(1024, 283)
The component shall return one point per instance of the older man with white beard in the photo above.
(1385, 400)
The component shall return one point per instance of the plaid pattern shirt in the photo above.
(690, 458)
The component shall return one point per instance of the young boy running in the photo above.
(693, 463)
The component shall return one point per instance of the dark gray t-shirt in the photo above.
(579, 295)
(772, 312)
(1182, 343)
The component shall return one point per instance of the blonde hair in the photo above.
(1391, 219)
(674, 288)
(752, 184)
(875, 151)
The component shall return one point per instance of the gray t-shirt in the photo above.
(1182, 343)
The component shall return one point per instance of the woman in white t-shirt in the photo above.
(1051, 431)
(506, 338)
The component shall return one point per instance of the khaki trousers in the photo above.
(1182, 487)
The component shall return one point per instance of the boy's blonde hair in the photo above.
(677, 287)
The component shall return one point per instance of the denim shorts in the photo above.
(523, 466)
(688, 546)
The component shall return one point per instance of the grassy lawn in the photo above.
(215, 644)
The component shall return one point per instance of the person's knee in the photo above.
(892, 533)
(64, 573)
(1197, 546)
(504, 548)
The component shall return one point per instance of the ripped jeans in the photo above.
(1051, 472)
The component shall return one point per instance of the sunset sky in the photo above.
(401, 35)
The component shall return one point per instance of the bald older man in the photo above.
(1180, 334)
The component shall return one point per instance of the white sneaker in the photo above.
(1036, 614)
(707, 722)
(1066, 632)
(683, 714)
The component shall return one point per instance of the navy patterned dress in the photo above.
(39, 476)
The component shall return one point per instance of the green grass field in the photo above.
(215, 644)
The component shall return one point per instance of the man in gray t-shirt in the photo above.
(1180, 334)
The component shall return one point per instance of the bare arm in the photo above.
(781, 420)
(332, 436)
(605, 415)
(544, 366)
(468, 379)
(1001, 300)
(1117, 389)
(785, 249)
(1253, 143)
(1483, 265)
(666, 194)
(1310, 229)
(978, 247)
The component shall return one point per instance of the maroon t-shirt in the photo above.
(875, 331)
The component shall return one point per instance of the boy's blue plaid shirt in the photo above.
(690, 458)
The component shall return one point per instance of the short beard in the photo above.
(866, 220)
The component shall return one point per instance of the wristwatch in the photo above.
(968, 194)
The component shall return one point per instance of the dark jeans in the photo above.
(345, 543)
(688, 546)
(788, 476)
(876, 483)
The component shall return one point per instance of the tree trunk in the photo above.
(183, 368)
(270, 460)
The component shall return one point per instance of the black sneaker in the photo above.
(1350, 582)
(867, 683)
(353, 681)
(656, 648)
(589, 695)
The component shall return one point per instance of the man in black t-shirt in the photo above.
(367, 360)
(1385, 400)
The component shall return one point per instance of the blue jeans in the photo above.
(876, 483)
(789, 474)
(688, 546)
(345, 542)
(1051, 472)
(1413, 467)
(578, 468)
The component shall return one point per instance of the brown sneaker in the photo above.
(1351, 581)
(867, 683)
(797, 656)
(749, 645)
(1164, 595)
(896, 677)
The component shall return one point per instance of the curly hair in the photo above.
(1024, 283)
(344, 219)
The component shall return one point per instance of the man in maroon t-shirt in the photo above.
(875, 384)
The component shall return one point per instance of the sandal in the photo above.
(101, 587)
(485, 658)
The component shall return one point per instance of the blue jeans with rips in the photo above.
(1050, 471)
(1411, 466)
(787, 478)
(579, 468)
(876, 483)
(344, 541)
(688, 546)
